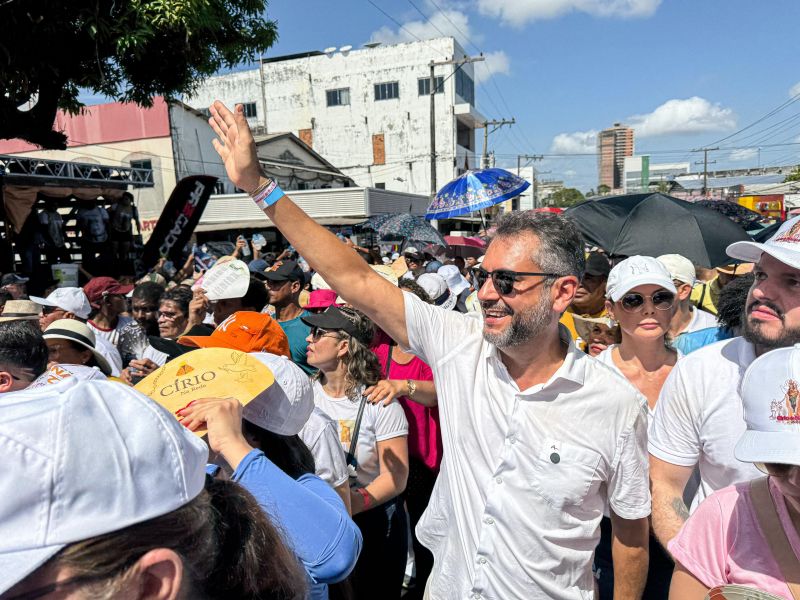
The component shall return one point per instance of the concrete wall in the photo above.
(194, 153)
(296, 101)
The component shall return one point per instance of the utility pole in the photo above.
(458, 63)
(705, 164)
(529, 158)
(497, 125)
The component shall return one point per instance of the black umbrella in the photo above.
(655, 224)
(741, 215)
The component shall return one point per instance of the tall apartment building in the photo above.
(366, 111)
(613, 145)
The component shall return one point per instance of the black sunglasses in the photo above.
(318, 332)
(503, 279)
(634, 301)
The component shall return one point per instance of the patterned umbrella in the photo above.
(406, 227)
(737, 213)
(475, 190)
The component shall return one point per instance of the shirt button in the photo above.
(482, 560)
(489, 521)
(512, 439)
(499, 480)
(476, 596)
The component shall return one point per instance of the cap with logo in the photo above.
(334, 318)
(436, 288)
(79, 333)
(783, 246)
(245, 331)
(87, 458)
(20, 310)
(680, 268)
(770, 394)
(250, 378)
(635, 271)
(69, 299)
(285, 270)
(100, 287)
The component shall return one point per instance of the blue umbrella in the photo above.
(475, 190)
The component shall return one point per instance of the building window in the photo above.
(339, 97)
(250, 110)
(424, 85)
(465, 87)
(387, 91)
(142, 164)
(380, 186)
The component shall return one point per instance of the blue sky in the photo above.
(685, 73)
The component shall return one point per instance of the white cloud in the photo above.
(794, 90)
(577, 142)
(437, 24)
(683, 116)
(522, 12)
(495, 63)
(743, 154)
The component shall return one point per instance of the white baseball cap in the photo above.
(783, 246)
(436, 287)
(70, 299)
(86, 458)
(680, 268)
(283, 408)
(455, 280)
(635, 271)
(771, 397)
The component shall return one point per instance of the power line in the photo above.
(774, 111)
(401, 26)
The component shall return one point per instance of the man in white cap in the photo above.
(457, 285)
(698, 416)
(72, 303)
(687, 318)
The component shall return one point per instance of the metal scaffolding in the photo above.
(26, 170)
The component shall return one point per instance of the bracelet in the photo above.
(412, 388)
(268, 195)
(259, 188)
(367, 498)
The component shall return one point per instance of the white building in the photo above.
(367, 111)
(640, 175)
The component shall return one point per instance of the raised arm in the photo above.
(344, 270)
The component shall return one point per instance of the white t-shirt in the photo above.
(112, 335)
(527, 474)
(699, 417)
(321, 436)
(700, 320)
(378, 423)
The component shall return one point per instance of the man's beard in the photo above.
(752, 330)
(524, 326)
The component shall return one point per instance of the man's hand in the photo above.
(385, 391)
(138, 367)
(240, 244)
(222, 417)
(198, 308)
(235, 145)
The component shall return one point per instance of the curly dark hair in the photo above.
(733, 300)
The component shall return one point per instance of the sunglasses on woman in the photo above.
(503, 279)
(634, 301)
(318, 333)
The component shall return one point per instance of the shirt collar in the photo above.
(572, 369)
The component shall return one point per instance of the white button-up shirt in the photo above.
(526, 474)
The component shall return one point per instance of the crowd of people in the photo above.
(542, 421)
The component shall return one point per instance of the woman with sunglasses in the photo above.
(640, 297)
(749, 533)
(339, 346)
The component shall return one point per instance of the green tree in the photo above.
(130, 50)
(794, 175)
(603, 189)
(566, 197)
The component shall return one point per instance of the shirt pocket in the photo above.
(564, 474)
